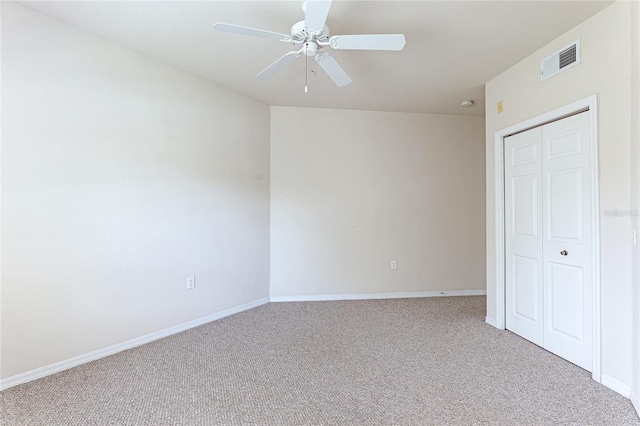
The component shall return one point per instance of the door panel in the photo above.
(568, 283)
(525, 201)
(565, 144)
(523, 239)
(564, 205)
(526, 288)
(526, 153)
(566, 310)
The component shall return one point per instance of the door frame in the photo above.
(589, 105)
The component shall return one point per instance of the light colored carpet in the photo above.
(379, 362)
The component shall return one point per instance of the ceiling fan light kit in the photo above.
(311, 36)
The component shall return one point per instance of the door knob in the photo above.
(564, 252)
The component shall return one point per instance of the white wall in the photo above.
(605, 70)
(121, 176)
(351, 190)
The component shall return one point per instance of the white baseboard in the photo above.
(370, 296)
(616, 385)
(491, 322)
(119, 347)
(635, 400)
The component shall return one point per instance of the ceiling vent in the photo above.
(560, 61)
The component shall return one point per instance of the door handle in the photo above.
(564, 253)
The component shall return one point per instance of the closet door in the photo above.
(567, 247)
(548, 237)
(523, 235)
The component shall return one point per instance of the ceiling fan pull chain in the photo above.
(306, 67)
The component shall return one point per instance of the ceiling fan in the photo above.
(311, 36)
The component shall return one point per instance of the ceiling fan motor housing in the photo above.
(300, 34)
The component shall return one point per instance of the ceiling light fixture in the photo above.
(466, 104)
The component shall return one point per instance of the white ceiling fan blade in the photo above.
(254, 32)
(272, 69)
(368, 42)
(333, 69)
(315, 14)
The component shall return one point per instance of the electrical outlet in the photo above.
(191, 283)
(394, 265)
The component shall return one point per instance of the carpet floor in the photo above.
(375, 362)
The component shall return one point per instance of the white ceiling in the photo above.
(453, 47)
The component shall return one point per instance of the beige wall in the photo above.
(605, 70)
(351, 190)
(635, 191)
(120, 177)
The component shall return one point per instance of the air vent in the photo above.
(560, 61)
(568, 56)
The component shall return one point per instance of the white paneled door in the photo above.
(548, 219)
(523, 242)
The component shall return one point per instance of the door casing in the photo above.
(589, 105)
